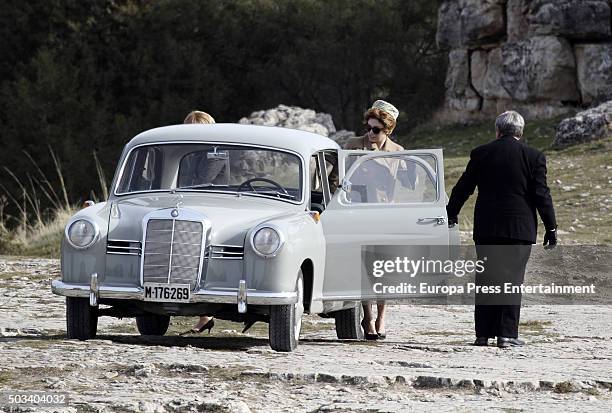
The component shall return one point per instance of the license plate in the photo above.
(167, 293)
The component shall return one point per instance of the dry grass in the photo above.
(36, 230)
(579, 177)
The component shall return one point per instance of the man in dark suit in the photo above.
(511, 181)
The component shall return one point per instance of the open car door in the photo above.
(387, 198)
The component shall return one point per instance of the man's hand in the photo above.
(550, 239)
(452, 221)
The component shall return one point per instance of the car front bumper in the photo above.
(225, 296)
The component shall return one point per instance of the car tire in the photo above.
(348, 323)
(81, 319)
(152, 324)
(286, 321)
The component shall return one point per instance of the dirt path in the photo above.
(426, 364)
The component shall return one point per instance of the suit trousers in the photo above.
(505, 259)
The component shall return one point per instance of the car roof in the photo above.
(295, 140)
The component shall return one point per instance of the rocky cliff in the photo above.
(540, 57)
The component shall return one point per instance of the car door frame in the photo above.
(340, 265)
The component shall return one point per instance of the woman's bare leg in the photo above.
(380, 317)
(368, 319)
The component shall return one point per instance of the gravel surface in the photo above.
(425, 364)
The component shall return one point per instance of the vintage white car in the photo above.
(240, 222)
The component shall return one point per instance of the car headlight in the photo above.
(82, 233)
(267, 241)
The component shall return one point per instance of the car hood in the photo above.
(231, 216)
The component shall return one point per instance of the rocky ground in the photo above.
(426, 363)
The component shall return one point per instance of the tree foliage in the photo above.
(83, 76)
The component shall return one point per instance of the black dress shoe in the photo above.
(481, 341)
(208, 326)
(505, 342)
(366, 335)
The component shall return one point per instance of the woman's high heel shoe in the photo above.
(208, 326)
(368, 336)
(381, 334)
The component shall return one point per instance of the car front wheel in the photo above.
(152, 324)
(286, 321)
(81, 319)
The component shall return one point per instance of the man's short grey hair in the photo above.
(510, 123)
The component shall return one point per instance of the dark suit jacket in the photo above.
(511, 181)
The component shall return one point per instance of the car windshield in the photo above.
(212, 167)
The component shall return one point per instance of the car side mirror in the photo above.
(347, 186)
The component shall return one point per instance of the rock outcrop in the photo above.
(542, 57)
(594, 61)
(539, 68)
(470, 23)
(294, 117)
(592, 124)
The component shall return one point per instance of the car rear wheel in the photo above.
(348, 323)
(286, 321)
(152, 324)
(81, 319)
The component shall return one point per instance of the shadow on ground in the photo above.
(232, 343)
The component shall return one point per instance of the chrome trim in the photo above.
(281, 236)
(212, 252)
(299, 155)
(174, 214)
(225, 258)
(434, 175)
(242, 297)
(112, 248)
(254, 297)
(72, 222)
(93, 290)
(184, 215)
(439, 220)
(227, 296)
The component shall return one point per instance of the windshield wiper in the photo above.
(271, 192)
(203, 186)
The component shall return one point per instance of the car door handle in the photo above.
(439, 220)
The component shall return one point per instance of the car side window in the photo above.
(142, 170)
(317, 199)
(315, 174)
(392, 180)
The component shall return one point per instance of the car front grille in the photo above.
(172, 251)
(225, 252)
(123, 247)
